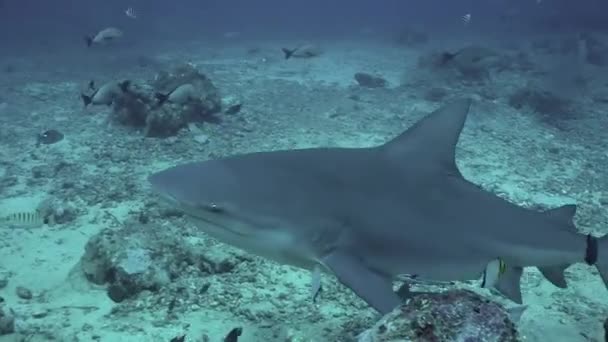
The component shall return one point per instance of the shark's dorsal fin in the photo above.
(565, 213)
(433, 139)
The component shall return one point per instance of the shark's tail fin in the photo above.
(592, 256)
(125, 86)
(86, 99)
(161, 98)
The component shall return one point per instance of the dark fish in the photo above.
(182, 94)
(233, 335)
(234, 109)
(178, 339)
(104, 36)
(106, 94)
(289, 52)
(468, 55)
(302, 51)
(49, 137)
(448, 56)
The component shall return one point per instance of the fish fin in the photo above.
(86, 99)
(161, 98)
(437, 134)
(447, 57)
(515, 312)
(405, 291)
(288, 53)
(493, 271)
(88, 40)
(92, 85)
(509, 284)
(592, 256)
(565, 213)
(374, 288)
(316, 283)
(555, 274)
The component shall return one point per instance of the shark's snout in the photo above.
(171, 188)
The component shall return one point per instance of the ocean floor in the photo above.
(98, 173)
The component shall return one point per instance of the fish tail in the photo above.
(86, 99)
(88, 40)
(446, 57)
(161, 98)
(592, 256)
(125, 85)
(288, 53)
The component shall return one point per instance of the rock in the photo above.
(370, 81)
(24, 293)
(40, 313)
(118, 293)
(144, 257)
(7, 320)
(57, 212)
(458, 315)
(139, 107)
(550, 106)
(3, 280)
(201, 138)
(124, 260)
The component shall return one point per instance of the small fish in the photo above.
(233, 335)
(492, 273)
(182, 94)
(25, 219)
(181, 338)
(104, 36)
(130, 12)
(106, 94)
(303, 51)
(49, 137)
(234, 109)
(468, 55)
(466, 19)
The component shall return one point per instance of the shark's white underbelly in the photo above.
(276, 245)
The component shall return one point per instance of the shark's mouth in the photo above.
(215, 225)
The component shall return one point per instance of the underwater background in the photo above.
(89, 253)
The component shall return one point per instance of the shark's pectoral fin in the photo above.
(376, 289)
(555, 274)
(515, 312)
(509, 284)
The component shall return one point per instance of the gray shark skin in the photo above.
(368, 215)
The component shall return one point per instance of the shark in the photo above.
(369, 215)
